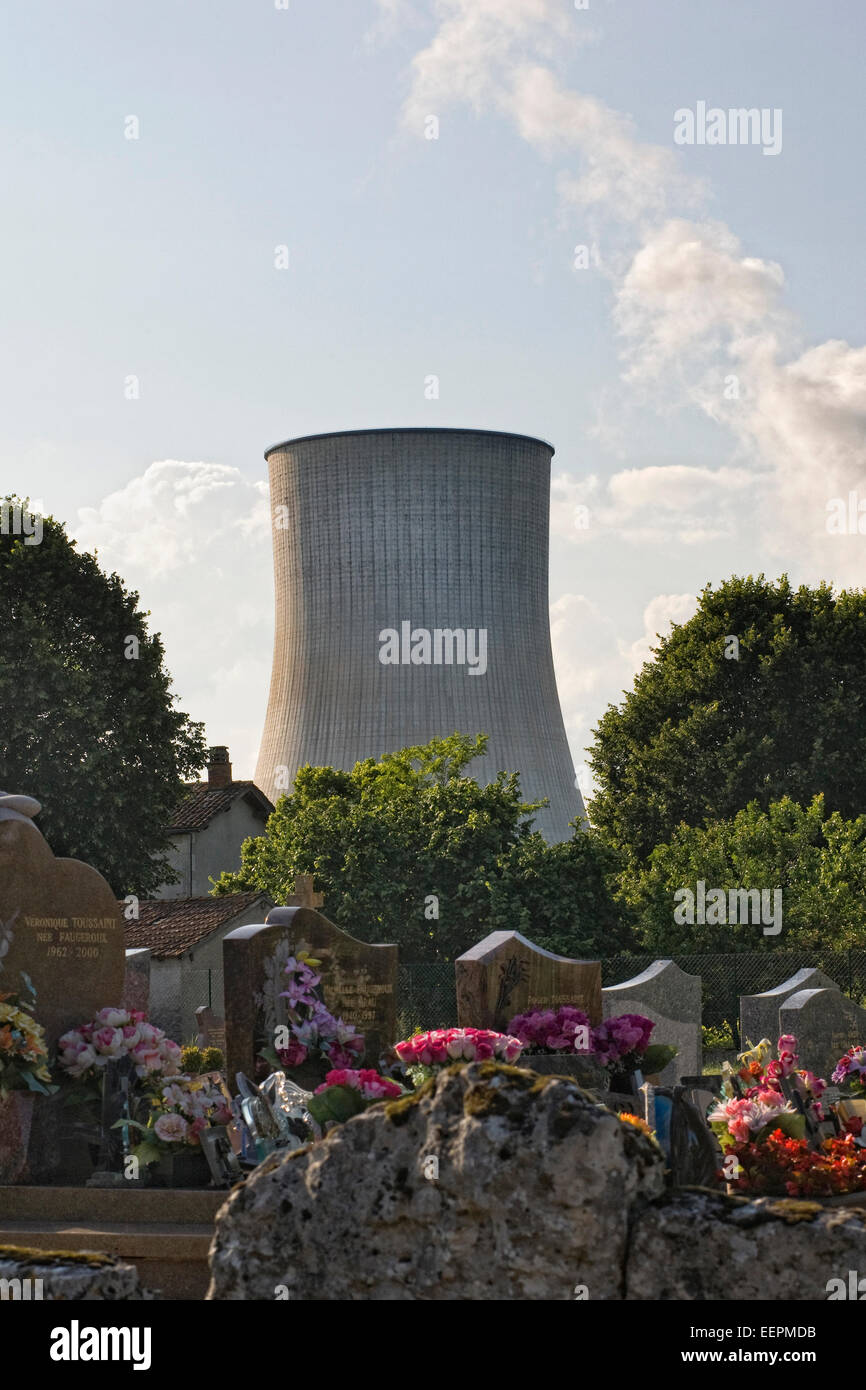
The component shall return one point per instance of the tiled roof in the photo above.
(171, 927)
(202, 803)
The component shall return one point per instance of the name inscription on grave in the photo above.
(72, 938)
(355, 996)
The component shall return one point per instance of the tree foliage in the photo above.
(703, 733)
(818, 860)
(410, 834)
(92, 733)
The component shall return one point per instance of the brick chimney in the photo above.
(219, 769)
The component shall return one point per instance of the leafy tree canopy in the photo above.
(401, 838)
(714, 723)
(817, 860)
(89, 724)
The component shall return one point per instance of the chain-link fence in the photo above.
(426, 991)
(197, 987)
(426, 994)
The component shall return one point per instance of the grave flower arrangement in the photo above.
(23, 1050)
(440, 1047)
(420, 1056)
(346, 1092)
(767, 1094)
(566, 1029)
(771, 1121)
(781, 1166)
(850, 1070)
(113, 1034)
(84, 1052)
(312, 1032)
(177, 1109)
(621, 1044)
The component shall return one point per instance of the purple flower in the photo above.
(553, 1030)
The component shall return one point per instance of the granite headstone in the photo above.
(672, 999)
(759, 1013)
(825, 1023)
(358, 982)
(505, 974)
(136, 979)
(59, 923)
(211, 1028)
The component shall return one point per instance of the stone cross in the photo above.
(303, 895)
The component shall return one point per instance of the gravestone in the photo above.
(211, 1029)
(825, 1023)
(136, 980)
(505, 974)
(59, 923)
(672, 999)
(759, 1013)
(358, 983)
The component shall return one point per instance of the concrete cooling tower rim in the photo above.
(411, 429)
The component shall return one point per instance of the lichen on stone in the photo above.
(792, 1209)
(31, 1255)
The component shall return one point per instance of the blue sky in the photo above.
(259, 127)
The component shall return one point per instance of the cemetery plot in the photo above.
(358, 982)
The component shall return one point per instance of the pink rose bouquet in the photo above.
(442, 1046)
(114, 1033)
(345, 1093)
(369, 1084)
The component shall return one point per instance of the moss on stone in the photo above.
(30, 1255)
(793, 1209)
(400, 1111)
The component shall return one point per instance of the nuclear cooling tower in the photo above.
(410, 568)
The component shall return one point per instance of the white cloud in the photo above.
(690, 293)
(653, 505)
(594, 667)
(194, 539)
(658, 617)
(702, 322)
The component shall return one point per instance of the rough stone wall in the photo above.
(28, 1275)
(536, 1193)
(696, 1246)
(532, 1196)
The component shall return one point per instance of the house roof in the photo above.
(201, 803)
(172, 926)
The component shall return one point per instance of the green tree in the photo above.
(818, 861)
(559, 896)
(89, 724)
(713, 723)
(409, 848)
